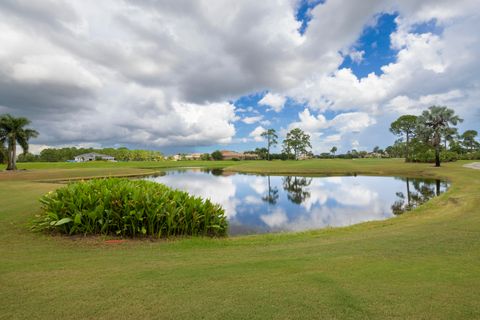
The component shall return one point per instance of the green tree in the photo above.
(13, 131)
(271, 136)
(333, 151)
(404, 126)
(433, 124)
(468, 140)
(262, 153)
(27, 157)
(217, 155)
(449, 135)
(296, 142)
(3, 153)
(205, 156)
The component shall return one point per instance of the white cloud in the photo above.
(256, 134)
(356, 56)
(351, 122)
(341, 125)
(275, 101)
(251, 120)
(403, 104)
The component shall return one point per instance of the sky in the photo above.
(201, 75)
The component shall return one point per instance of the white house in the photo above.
(92, 156)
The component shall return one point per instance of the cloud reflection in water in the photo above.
(259, 204)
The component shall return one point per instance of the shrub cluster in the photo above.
(428, 155)
(470, 156)
(129, 208)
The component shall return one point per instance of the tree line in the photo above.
(429, 137)
(120, 154)
(433, 137)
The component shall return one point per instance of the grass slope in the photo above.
(422, 265)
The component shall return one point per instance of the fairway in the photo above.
(421, 265)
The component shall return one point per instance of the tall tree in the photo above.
(404, 126)
(468, 140)
(333, 151)
(433, 124)
(296, 141)
(13, 131)
(271, 136)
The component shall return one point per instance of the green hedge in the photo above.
(129, 208)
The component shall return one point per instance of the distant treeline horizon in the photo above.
(69, 153)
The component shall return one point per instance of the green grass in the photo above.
(421, 265)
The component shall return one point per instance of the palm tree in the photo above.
(333, 150)
(13, 131)
(435, 122)
(449, 136)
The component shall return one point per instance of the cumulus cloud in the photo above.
(275, 101)
(342, 125)
(427, 64)
(256, 133)
(137, 71)
(160, 73)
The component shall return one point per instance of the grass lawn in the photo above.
(422, 265)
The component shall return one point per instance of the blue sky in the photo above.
(196, 77)
(375, 43)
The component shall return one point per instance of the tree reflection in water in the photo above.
(423, 190)
(295, 188)
(272, 195)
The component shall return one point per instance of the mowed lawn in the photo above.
(422, 265)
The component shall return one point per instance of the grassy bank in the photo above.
(422, 265)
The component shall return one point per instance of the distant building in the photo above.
(92, 156)
(177, 157)
(229, 155)
(305, 156)
(226, 154)
(250, 156)
(193, 156)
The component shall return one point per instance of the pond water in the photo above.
(262, 204)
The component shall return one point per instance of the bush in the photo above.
(428, 155)
(470, 156)
(448, 156)
(129, 208)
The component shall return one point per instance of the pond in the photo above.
(263, 204)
